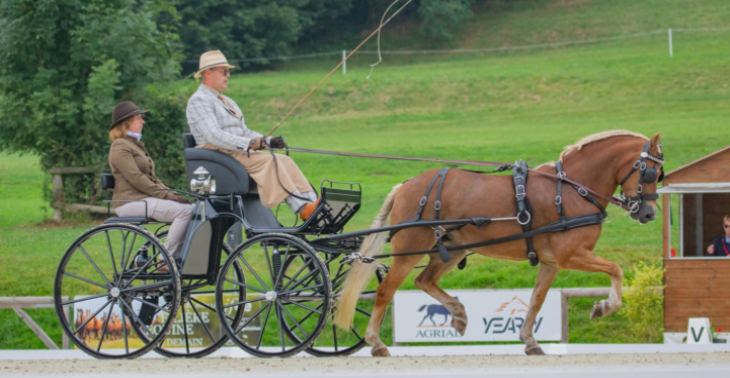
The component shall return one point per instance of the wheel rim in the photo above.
(298, 297)
(196, 331)
(104, 283)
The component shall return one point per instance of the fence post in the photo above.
(344, 62)
(671, 53)
(57, 195)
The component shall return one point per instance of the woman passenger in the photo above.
(135, 179)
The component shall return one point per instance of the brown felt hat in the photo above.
(125, 110)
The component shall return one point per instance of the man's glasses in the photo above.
(727, 226)
(224, 72)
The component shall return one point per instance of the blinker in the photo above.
(650, 175)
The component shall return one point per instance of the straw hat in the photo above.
(212, 59)
(123, 111)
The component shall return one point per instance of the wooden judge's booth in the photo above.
(694, 199)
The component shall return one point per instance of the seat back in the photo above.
(107, 181)
(230, 176)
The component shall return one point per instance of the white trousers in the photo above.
(163, 211)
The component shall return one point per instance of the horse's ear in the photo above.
(655, 139)
(655, 143)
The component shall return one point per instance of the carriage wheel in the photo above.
(334, 341)
(279, 295)
(196, 332)
(108, 279)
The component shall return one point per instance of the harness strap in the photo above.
(559, 196)
(574, 222)
(519, 177)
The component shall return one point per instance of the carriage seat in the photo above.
(230, 176)
(107, 183)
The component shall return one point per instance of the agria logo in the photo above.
(429, 328)
(509, 318)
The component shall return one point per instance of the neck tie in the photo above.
(234, 111)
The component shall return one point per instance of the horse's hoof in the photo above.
(380, 352)
(460, 326)
(534, 351)
(599, 309)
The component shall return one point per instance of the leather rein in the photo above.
(622, 202)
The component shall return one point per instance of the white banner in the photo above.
(494, 315)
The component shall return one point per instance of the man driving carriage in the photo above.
(217, 123)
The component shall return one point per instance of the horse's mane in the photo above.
(597, 137)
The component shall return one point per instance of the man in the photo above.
(721, 245)
(217, 123)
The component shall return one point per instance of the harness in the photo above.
(646, 175)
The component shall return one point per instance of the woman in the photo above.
(721, 244)
(134, 179)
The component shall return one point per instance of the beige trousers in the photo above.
(164, 211)
(261, 167)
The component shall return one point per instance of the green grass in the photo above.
(504, 106)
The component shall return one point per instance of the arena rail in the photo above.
(19, 304)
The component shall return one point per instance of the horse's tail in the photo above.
(359, 274)
(422, 308)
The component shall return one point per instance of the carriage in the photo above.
(272, 295)
(304, 272)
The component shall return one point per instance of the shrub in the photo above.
(643, 304)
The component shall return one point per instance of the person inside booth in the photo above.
(721, 244)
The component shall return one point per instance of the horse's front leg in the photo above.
(585, 260)
(545, 277)
(428, 280)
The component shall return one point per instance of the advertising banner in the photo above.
(493, 315)
(193, 324)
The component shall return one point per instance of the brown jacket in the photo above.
(134, 171)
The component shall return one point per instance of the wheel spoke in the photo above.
(111, 253)
(281, 270)
(244, 285)
(289, 287)
(86, 280)
(301, 305)
(282, 308)
(140, 270)
(280, 319)
(92, 316)
(302, 289)
(128, 255)
(253, 317)
(137, 319)
(94, 264)
(124, 330)
(311, 312)
(263, 328)
(355, 332)
(363, 311)
(253, 271)
(259, 299)
(185, 327)
(295, 276)
(103, 331)
(334, 332)
(268, 263)
(208, 307)
(84, 299)
(192, 305)
(147, 303)
(147, 287)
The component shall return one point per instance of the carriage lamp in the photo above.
(204, 183)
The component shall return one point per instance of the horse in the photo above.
(602, 162)
(79, 321)
(432, 310)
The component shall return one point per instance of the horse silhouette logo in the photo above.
(435, 309)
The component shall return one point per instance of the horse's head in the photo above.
(639, 181)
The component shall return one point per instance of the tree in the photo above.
(64, 64)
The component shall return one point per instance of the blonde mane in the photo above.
(597, 137)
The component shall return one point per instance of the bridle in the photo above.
(647, 175)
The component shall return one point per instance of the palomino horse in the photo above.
(602, 162)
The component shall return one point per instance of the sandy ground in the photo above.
(216, 367)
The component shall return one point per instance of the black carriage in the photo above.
(273, 295)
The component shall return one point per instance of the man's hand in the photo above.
(277, 142)
(711, 249)
(257, 144)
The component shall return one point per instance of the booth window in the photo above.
(701, 221)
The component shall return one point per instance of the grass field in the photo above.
(507, 106)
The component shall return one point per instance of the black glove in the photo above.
(278, 142)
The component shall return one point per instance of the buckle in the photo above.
(562, 175)
(423, 200)
(582, 191)
(637, 164)
(520, 190)
(640, 188)
(558, 200)
(437, 205)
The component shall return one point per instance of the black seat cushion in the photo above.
(229, 174)
(132, 220)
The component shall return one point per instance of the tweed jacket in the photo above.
(134, 171)
(212, 122)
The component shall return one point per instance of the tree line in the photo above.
(64, 64)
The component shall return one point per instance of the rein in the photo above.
(500, 168)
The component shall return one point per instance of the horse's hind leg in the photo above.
(585, 260)
(545, 277)
(428, 282)
(402, 265)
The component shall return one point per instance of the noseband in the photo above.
(647, 175)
